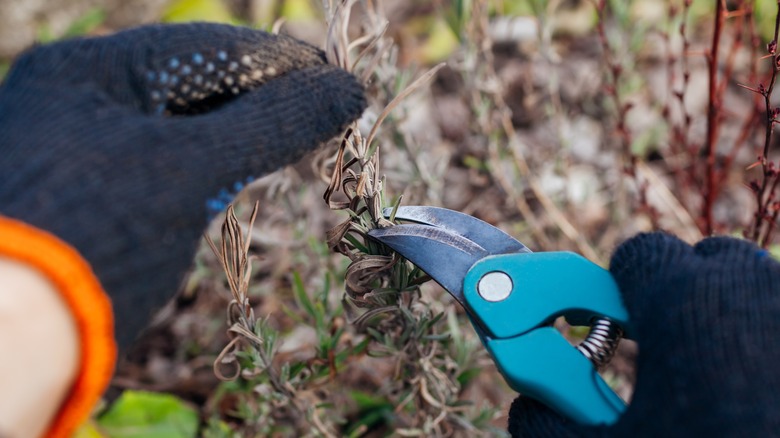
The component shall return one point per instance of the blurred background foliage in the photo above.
(436, 30)
(545, 78)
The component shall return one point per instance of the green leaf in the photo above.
(4, 67)
(298, 10)
(149, 415)
(217, 428)
(86, 23)
(197, 10)
(365, 400)
(303, 298)
(88, 430)
(774, 251)
(468, 375)
(441, 42)
(357, 243)
(374, 410)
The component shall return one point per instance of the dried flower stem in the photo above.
(233, 255)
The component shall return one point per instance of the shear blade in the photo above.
(442, 254)
(492, 239)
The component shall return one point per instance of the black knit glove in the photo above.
(115, 144)
(707, 322)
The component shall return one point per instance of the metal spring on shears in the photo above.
(602, 341)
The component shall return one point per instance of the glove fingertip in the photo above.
(729, 248)
(348, 95)
(262, 130)
(643, 247)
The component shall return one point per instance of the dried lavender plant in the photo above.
(433, 362)
(383, 290)
(233, 255)
(252, 347)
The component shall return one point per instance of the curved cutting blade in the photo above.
(445, 243)
(442, 254)
(492, 239)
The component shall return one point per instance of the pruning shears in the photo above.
(512, 296)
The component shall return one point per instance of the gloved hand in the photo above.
(707, 323)
(115, 144)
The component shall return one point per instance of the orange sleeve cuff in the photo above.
(89, 305)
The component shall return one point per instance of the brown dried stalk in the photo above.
(233, 255)
(383, 286)
(358, 177)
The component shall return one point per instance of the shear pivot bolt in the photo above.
(495, 286)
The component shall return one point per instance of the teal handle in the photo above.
(543, 365)
(545, 285)
(531, 290)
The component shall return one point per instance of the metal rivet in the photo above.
(197, 58)
(222, 55)
(495, 286)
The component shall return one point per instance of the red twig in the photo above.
(764, 219)
(713, 111)
(752, 122)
